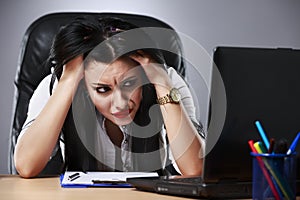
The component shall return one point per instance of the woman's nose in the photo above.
(120, 100)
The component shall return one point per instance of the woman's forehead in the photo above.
(119, 68)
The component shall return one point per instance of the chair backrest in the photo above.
(35, 49)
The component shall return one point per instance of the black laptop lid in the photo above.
(260, 84)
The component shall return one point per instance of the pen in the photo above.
(272, 143)
(108, 183)
(262, 134)
(73, 176)
(281, 146)
(259, 147)
(294, 144)
(264, 170)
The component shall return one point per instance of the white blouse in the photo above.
(42, 94)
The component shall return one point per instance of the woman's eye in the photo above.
(129, 83)
(102, 89)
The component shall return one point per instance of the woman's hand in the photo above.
(156, 74)
(74, 69)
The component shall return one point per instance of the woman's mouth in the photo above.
(122, 114)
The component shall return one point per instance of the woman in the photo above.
(103, 106)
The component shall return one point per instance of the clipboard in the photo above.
(77, 179)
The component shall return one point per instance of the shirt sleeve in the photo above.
(186, 99)
(186, 96)
(37, 102)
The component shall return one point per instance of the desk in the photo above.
(13, 187)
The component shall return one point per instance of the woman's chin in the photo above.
(122, 121)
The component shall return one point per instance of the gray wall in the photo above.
(263, 23)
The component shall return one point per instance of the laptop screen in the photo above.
(260, 84)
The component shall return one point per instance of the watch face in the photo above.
(175, 95)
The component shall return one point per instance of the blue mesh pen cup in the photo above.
(274, 176)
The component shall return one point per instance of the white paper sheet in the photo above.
(90, 178)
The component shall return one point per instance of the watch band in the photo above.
(172, 97)
(163, 100)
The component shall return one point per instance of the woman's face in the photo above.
(115, 88)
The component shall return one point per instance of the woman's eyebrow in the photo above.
(128, 78)
(101, 85)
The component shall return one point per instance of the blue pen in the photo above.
(262, 134)
(294, 144)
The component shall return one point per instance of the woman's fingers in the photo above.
(156, 74)
(75, 62)
(74, 68)
(142, 57)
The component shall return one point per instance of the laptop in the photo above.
(260, 84)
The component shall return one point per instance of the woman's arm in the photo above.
(34, 148)
(186, 144)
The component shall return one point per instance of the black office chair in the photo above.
(31, 67)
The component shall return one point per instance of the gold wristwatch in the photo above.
(173, 97)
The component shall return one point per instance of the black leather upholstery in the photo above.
(35, 48)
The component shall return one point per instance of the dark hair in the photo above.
(76, 38)
(85, 36)
(120, 39)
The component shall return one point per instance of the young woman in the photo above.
(112, 107)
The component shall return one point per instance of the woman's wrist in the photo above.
(68, 84)
(73, 71)
(163, 85)
(162, 90)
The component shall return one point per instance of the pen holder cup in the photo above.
(274, 176)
